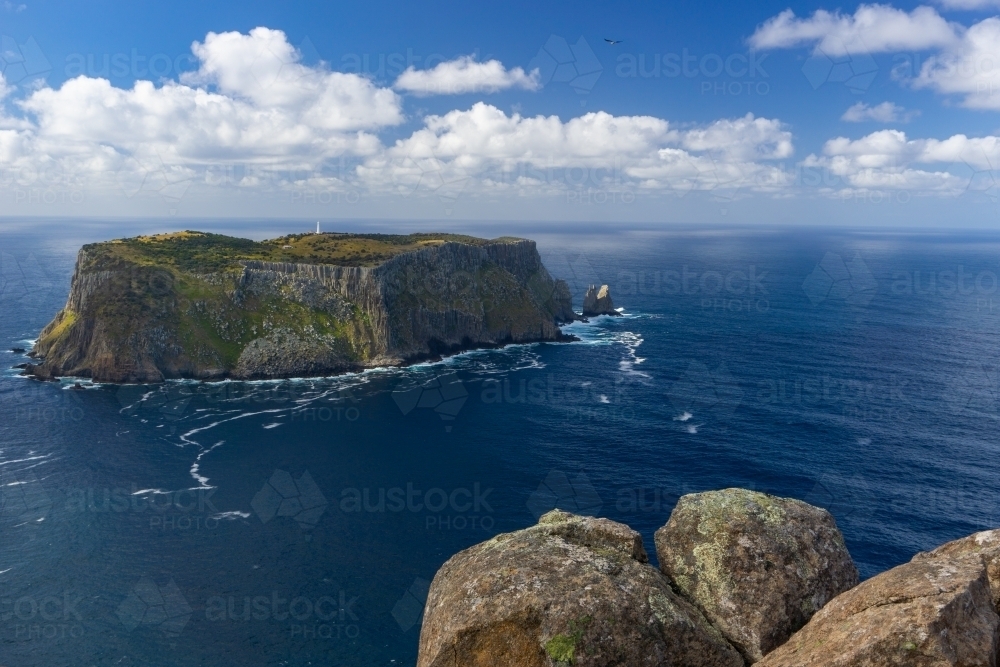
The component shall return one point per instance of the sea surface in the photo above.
(300, 522)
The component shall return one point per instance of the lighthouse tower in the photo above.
(317, 226)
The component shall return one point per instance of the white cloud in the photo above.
(465, 75)
(966, 62)
(871, 29)
(543, 153)
(886, 112)
(264, 69)
(250, 102)
(888, 160)
(970, 68)
(745, 138)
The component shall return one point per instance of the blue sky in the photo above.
(850, 114)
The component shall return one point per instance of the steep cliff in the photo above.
(207, 306)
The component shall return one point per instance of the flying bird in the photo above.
(612, 42)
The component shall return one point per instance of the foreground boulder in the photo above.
(758, 566)
(570, 590)
(984, 545)
(598, 302)
(928, 612)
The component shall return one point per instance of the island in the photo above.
(206, 306)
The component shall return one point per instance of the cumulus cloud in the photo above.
(264, 69)
(886, 112)
(872, 29)
(250, 101)
(499, 151)
(966, 61)
(970, 67)
(887, 159)
(466, 75)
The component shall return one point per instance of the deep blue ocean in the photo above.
(299, 522)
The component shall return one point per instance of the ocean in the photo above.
(299, 522)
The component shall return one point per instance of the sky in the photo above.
(762, 112)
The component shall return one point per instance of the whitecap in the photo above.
(273, 425)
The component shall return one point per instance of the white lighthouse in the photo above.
(317, 226)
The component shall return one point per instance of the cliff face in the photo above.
(130, 318)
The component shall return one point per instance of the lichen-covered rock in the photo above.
(985, 545)
(758, 566)
(598, 301)
(570, 590)
(931, 612)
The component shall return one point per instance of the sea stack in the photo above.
(598, 302)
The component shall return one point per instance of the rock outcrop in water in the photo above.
(194, 305)
(741, 573)
(597, 301)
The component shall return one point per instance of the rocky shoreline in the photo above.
(744, 578)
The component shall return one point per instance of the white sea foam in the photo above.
(693, 428)
(202, 480)
(683, 417)
(24, 460)
(273, 425)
